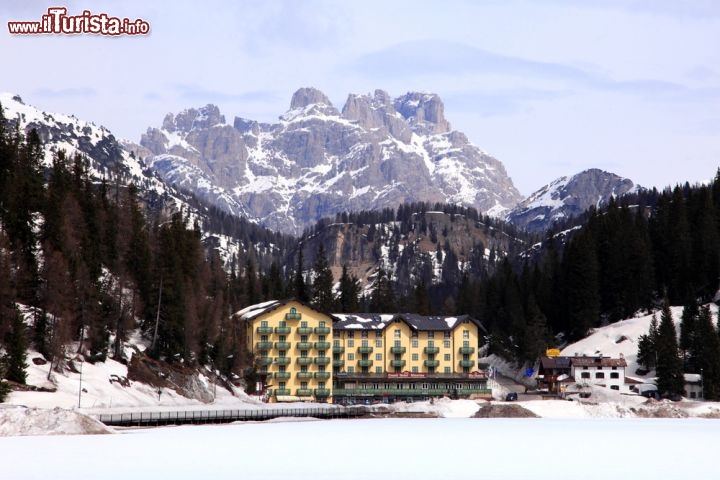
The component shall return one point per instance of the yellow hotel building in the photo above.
(306, 355)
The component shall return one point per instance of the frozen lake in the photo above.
(378, 449)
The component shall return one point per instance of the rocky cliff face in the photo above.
(317, 161)
(567, 197)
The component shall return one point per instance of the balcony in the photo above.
(265, 361)
(322, 392)
(303, 392)
(322, 360)
(293, 316)
(304, 360)
(467, 363)
(432, 350)
(282, 375)
(303, 345)
(282, 361)
(338, 363)
(322, 375)
(365, 363)
(304, 330)
(322, 330)
(281, 391)
(431, 363)
(467, 350)
(338, 350)
(283, 345)
(397, 350)
(397, 363)
(304, 375)
(322, 345)
(264, 330)
(365, 349)
(282, 330)
(263, 345)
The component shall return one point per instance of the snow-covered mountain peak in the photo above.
(567, 197)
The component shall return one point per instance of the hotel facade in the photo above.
(306, 355)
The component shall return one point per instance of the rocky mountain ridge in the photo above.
(318, 161)
(567, 197)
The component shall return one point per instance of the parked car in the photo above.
(511, 397)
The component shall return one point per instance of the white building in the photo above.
(693, 386)
(600, 371)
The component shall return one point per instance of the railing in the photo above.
(322, 345)
(303, 392)
(303, 345)
(304, 375)
(304, 330)
(282, 360)
(338, 349)
(263, 345)
(467, 350)
(146, 419)
(365, 363)
(431, 363)
(365, 349)
(397, 350)
(283, 345)
(322, 375)
(322, 360)
(264, 330)
(338, 363)
(321, 392)
(285, 375)
(322, 330)
(282, 330)
(397, 363)
(409, 392)
(265, 360)
(304, 360)
(467, 363)
(293, 316)
(432, 350)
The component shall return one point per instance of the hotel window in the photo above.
(303, 385)
(378, 333)
(447, 357)
(303, 338)
(414, 369)
(378, 369)
(397, 333)
(350, 369)
(351, 334)
(415, 357)
(351, 357)
(446, 334)
(614, 375)
(364, 334)
(283, 338)
(281, 385)
(321, 368)
(364, 343)
(466, 343)
(321, 353)
(336, 343)
(447, 370)
(281, 368)
(263, 338)
(282, 324)
(336, 333)
(378, 357)
(351, 343)
(303, 324)
(321, 384)
(599, 375)
(446, 343)
(431, 343)
(466, 333)
(414, 343)
(263, 323)
(303, 353)
(397, 343)
(617, 387)
(378, 343)
(321, 338)
(430, 335)
(322, 324)
(585, 375)
(303, 368)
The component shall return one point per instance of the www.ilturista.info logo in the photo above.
(57, 21)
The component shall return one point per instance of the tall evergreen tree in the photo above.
(349, 292)
(708, 357)
(382, 299)
(300, 289)
(16, 350)
(323, 297)
(670, 380)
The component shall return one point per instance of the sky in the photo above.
(549, 87)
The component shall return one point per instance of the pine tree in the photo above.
(670, 380)
(382, 299)
(349, 292)
(16, 350)
(708, 354)
(582, 286)
(688, 334)
(323, 298)
(299, 285)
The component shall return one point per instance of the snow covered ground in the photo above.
(378, 449)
